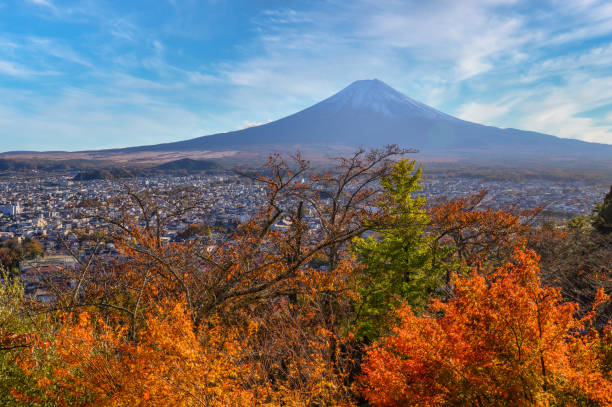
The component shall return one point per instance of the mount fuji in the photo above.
(370, 113)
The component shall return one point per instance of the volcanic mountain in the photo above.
(367, 113)
(370, 113)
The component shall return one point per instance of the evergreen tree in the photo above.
(602, 221)
(397, 257)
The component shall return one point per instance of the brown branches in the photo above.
(307, 212)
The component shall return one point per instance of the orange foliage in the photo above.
(298, 360)
(283, 357)
(253, 321)
(11, 340)
(259, 354)
(167, 365)
(502, 340)
(476, 234)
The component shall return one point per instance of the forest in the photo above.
(389, 301)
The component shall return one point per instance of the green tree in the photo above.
(397, 257)
(602, 221)
(13, 251)
(19, 334)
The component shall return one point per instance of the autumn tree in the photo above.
(96, 363)
(468, 233)
(258, 261)
(578, 259)
(503, 339)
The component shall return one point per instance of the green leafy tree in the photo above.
(13, 251)
(579, 223)
(397, 257)
(19, 334)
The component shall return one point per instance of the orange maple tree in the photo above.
(476, 233)
(504, 339)
(95, 363)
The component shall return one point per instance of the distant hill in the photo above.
(177, 167)
(43, 165)
(189, 165)
(109, 174)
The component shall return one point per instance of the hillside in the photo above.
(189, 165)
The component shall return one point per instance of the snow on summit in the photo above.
(375, 95)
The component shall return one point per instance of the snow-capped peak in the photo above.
(375, 95)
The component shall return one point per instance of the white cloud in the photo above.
(91, 118)
(248, 124)
(19, 71)
(200, 78)
(557, 109)
(56, 49)
(45, 3)
(12, 69)
(283, 16)
(561, 110)
(484, 113)
(469, 35)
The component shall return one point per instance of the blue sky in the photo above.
(93, 74)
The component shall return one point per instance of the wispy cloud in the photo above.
(56, 49)
(469, 34)
(484, 113)
(45, 3)
(12, 69)
(246, 125)
(560, 109)
(9, 68)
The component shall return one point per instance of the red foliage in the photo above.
(504, 339)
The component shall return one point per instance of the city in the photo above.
(47, 207)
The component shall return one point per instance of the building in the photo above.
(10, 210)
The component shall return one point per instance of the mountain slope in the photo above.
(370, 113)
